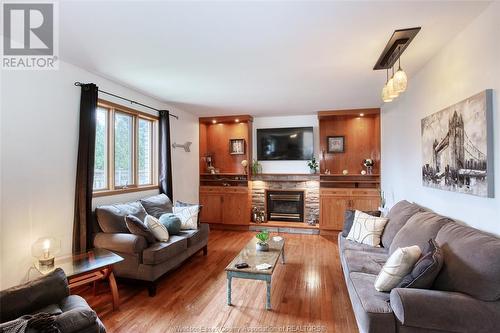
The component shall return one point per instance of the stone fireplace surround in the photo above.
(285, 182)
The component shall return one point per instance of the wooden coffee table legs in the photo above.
(105, 273)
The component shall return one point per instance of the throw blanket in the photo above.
(40, 322)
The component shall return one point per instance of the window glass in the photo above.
(144, 158)
(123, 149)
(101, 150)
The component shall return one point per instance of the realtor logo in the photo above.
(29, 36)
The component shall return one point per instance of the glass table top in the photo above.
(77, 264)
(252, 257)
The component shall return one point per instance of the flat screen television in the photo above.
(294, 143)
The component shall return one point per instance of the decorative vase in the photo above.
(263, 247)
(369, 170)
(313, 171)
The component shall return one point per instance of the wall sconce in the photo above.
(44, 249)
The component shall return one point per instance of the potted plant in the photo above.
(256, 167)
(262, 244)
(313, 165)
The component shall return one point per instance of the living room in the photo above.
(249, 166)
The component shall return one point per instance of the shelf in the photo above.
(271, 224)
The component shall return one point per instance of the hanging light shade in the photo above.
(400, 79)
(385, 94)
(390, 88)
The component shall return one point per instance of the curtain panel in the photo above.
(165, 155)
(82, 222)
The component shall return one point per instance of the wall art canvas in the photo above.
(457, 147)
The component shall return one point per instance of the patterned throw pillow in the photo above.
(349, 219)
(426, 269)
(188, 216)
(157, 229)
(367, 229)
(397, 266)
(137, 227)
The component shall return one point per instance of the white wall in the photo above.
(468, 64)
(286, 121)
(38, 142)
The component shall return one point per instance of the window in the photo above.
(125, 150)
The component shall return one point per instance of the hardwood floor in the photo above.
(308, 291)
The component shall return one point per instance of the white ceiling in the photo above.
(259, 58)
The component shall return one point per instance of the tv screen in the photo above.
(294, 143)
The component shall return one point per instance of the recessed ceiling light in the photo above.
(214, 121)
(237, 120)
(361, 114)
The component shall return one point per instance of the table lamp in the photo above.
(44, 250)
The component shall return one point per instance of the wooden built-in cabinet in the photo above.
(339, 192)
(225, 205)
(334, 202)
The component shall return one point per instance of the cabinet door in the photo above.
(212, 207)
(365, 203)
(332, 209)
(235, 209)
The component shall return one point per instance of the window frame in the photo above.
(111, 188)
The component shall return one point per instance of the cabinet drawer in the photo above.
(235, 189)
(365, 193)
(335, 192)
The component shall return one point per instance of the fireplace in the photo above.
(285, 206)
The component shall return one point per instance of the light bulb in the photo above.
(400, 81)
(390, 88)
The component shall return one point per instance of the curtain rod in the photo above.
(129, 100)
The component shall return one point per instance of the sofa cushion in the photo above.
(195, 236)
(162, 251)
(371, 308)
(171, 222)
(77, 315)
(349, 219)
(345, 244)
(364, 262)
(471, 262)
(138, 228)
(398, 216)
(418, 230)
(157, 229)
(111, 218)
(188, 216)
(157, 205)
(426, 269)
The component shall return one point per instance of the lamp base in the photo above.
(46, 262)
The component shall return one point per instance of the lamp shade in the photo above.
(400, 81)
(390, 88)
(44, 249)
(385, 94)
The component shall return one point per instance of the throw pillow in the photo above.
(137, 227)
(397, 266)
(366, 229)
(426, 269)
(111, 218)
(157, 205)
(349, 219)
(172, 223)
(157, 229)
(188, 216)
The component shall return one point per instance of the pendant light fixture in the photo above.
(385, 91)
(400, 79)
(393, 93)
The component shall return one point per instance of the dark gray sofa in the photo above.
(49, 294)
(465, 296)
(143, 261)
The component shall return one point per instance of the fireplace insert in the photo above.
(285, 206)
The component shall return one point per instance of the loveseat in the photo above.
(143, 261)
(465, 296)
(48, 294)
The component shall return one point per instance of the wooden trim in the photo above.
(111, 105)
(348, 112)
(125, 190)
(226, 119)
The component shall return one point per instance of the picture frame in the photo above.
(237, 146)
(335, 144)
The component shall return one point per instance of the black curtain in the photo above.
(165, 155)
(82, 222)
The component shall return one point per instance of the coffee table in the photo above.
(253, 258)
(91, 266)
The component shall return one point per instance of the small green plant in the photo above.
(313, 164)
(263, 237)
(256, 167)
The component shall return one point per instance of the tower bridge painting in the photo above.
(457, 147)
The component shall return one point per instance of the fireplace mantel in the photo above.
(286, 177)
